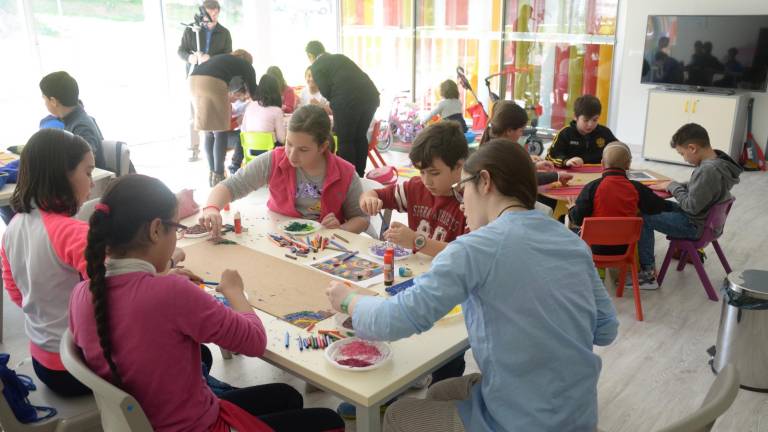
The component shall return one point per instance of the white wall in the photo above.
(629, 98)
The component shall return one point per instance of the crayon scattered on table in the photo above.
(287, 339)
(340, 238)
(301, 345)
(210, 283)
(290, 256)
(310, 327)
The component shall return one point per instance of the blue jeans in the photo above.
(673, 223)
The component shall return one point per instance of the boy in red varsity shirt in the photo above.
(434, 215)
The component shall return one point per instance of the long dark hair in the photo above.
(314, 121)
(510, 168)
(129, 205)
(48, 157)
(278, 74)
(268, 93)
(506, 115)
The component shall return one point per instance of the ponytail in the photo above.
(119, 225)
(95, 255)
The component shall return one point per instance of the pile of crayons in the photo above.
(315, 244)
(319, 341)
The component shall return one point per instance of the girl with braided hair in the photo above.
(142, 330)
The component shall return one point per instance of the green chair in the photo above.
(255, 143)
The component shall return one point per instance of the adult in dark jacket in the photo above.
(210, 85)
(214, 39)
(353, 98)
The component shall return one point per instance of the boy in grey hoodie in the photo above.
(710, 184)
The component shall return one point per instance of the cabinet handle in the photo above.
(687, 103)
(694, 106)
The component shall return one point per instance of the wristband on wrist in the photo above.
(346, 301)
(211, 206)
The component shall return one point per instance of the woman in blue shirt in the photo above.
(532, 301)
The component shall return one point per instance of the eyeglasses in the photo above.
(179, 227)
(458, 188)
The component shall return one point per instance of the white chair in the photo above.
(78, 414)
(120, 412)
(117, 157)
(717, 401)
(378, 224)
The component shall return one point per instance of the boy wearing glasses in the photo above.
(434, 214)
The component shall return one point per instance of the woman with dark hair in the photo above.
(287, 92)
(353, 99)
(531, 332)
(264, 114)
(305, 178)
(42, 250)
(129, 311)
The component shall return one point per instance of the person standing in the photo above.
(197, 48)
(353, 98)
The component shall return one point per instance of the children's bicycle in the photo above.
(402, 123)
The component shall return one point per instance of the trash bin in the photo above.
(743, 333)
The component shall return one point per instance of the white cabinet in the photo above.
(723, 116)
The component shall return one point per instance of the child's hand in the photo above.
(231, 284)
(330, 221)
(564, 178)
(371, 206)
(574, 162)
(536, 158)
(180, 271)
(544, 165)
(400, 234)
(336, 292)
(211, 220)
(660, 186)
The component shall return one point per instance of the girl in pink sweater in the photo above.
(142, 331)
(42, 249)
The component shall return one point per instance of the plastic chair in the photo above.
(719, 398)
(120, 412)
(255, 143)
(713, 228)
(615, 231)
(117, 157)
(373, 152)
(378, 224)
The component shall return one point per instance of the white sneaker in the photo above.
(646, 280)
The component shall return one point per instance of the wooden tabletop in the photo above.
(580, 179)
(412, 358)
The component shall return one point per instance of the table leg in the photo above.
(368, 418)
(561, 209)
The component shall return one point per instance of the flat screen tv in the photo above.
(707, 52)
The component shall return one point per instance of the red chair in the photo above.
(689, 248)
(615, 231)
(373, 151)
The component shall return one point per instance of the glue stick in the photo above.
(389, 267)
(238, 223)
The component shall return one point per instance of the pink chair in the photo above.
(689, 248)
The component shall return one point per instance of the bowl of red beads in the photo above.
(358, 355)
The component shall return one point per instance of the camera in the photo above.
(202, 17)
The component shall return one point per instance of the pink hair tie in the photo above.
(103, 208)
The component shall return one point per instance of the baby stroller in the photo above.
(533, 142)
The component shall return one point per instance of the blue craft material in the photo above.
(398, 288)
(223, 300)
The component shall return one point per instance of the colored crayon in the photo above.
(314, 342)
(290, 256)
(211, 283)
(340, 238)
(301, 345)
(287, 339)
(310, 327)
(350, 255)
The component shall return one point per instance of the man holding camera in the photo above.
(197, 47)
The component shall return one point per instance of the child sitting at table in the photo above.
(711, 182)
(614, 195)
(508, 120)
(311, 94)
(287, 93)
(305, 179)
(449, 108)
(264, 113)
(142, 331)
(582, 141)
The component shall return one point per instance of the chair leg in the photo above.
(636, 292)
(621, 281)
(711, 293)
(683, 260)
(721, 255)
(378, 155)
(371, 158)
(665, 265)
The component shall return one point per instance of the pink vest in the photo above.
(282, 185)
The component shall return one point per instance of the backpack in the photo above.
(16, 388)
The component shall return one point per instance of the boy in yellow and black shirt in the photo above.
(581, 142)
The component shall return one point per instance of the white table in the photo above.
(412, 358)
(100, 178)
